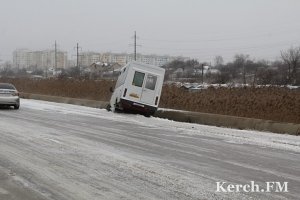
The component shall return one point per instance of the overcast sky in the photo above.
(198, 29)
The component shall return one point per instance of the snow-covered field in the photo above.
(60, 151)
(200, 86)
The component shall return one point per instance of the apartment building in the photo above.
(20, 58)
(88, 58)
(24, 58)
(119, 58)
(123, 58)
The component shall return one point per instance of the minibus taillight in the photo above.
(156, 100)
(125, 91)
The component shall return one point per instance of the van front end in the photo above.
(138, 108)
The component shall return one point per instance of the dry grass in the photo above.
(85, 89)
(273, 103)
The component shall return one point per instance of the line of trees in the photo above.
(242, 69)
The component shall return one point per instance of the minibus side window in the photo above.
(138, 79)
(151, 82)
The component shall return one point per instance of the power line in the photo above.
(265, 46)
(220, 39)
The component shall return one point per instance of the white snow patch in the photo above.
(264, 139)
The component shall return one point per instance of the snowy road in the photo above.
(64, 152)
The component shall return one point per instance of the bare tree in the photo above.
(240, 61)
(218, 61)
(291, 58)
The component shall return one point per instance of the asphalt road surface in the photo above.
(66, 152)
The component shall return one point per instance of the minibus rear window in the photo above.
(151, 82)
(138, 79)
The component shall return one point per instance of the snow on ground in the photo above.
(200, 86)
(266, 139)
(62, 151)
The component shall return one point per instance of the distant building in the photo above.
(101, 69)
(20, 58)
(24, 58)
(124, 58)
(88, 58)
(206, 70)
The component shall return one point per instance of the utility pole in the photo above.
(77, 56)
(55, 56)
(202, 73)
(244, 74)
(47, 63)
(17, 62)
(134, 45)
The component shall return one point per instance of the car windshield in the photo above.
(7, 86)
